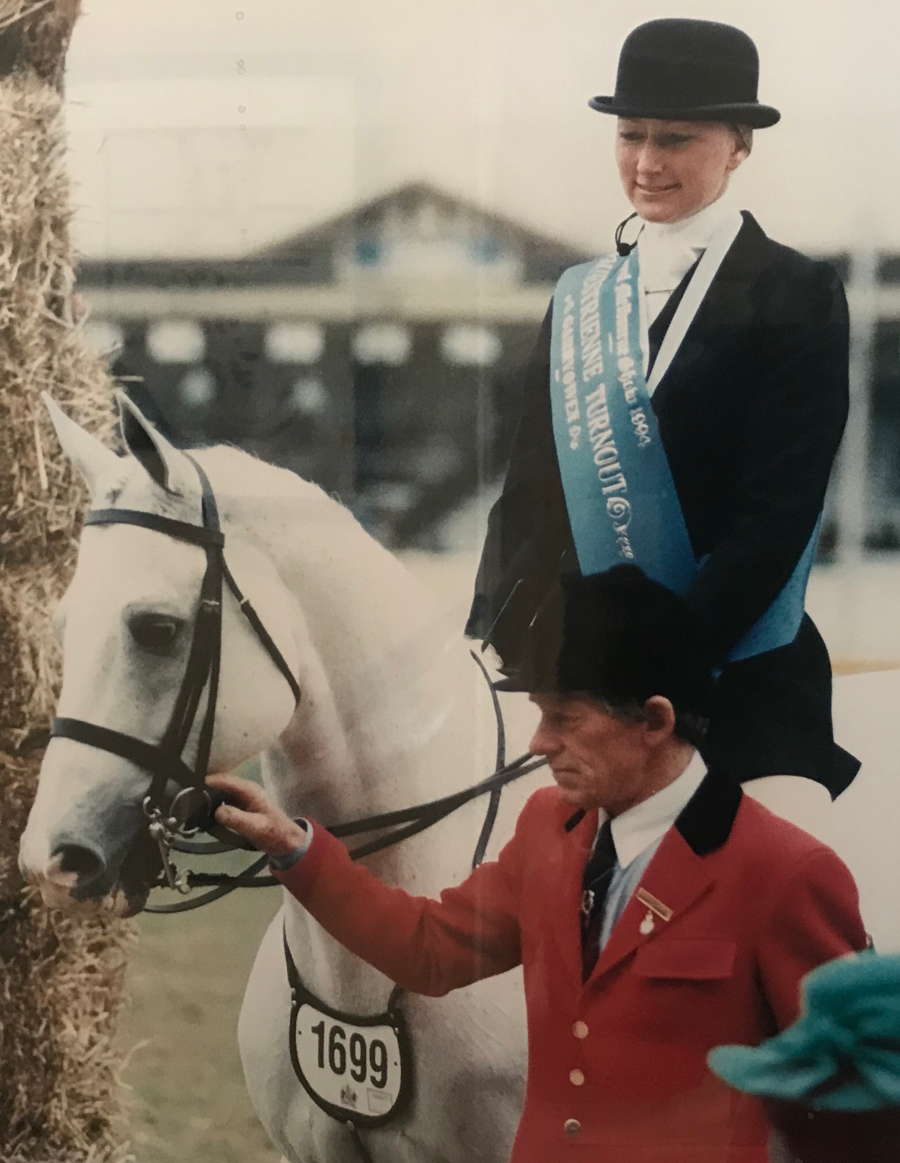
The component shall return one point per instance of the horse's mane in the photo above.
(237, 476)
(242, 481)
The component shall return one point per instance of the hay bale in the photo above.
(29, 655)
(60, 976)
(60, 992)
(41, 345)
(35, 34)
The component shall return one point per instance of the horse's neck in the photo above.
(394, 711)
(393, 687)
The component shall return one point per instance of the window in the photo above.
(301, 342)
(471, 345)
(198, 387)
(176, 341)
(388, 343)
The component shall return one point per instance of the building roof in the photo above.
(409, 199)
(308, 258)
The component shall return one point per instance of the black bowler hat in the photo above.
(625, 638)
(688, 70)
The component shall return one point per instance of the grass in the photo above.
(185, 985)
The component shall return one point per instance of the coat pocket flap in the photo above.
(697, 959)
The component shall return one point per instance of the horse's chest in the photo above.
(448, 1037)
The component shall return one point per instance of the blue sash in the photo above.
(619, 491)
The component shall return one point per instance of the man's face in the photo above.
(597, 759)
(673, 169)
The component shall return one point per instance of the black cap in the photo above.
(688, 70)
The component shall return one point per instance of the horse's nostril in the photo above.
(84, 863)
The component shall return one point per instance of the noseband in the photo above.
(192, 807)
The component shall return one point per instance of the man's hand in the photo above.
(252, 814)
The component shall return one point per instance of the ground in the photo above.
(185, 985)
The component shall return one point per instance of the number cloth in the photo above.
(617, 1064)
(356, 1067)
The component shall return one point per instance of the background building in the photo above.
(376, 354)
(379, 354)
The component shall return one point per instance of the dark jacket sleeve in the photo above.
(528, 530)
(798, 386)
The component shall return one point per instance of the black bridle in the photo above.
(174, 825)
(193, 806)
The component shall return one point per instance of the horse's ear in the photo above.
(86, 452)
(162, 461)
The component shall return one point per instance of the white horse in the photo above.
(393, 713)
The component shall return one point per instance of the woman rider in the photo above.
(750, 399)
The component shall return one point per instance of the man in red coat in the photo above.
(667, 915)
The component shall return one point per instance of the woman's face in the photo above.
(673, 169)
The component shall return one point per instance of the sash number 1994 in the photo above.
(366, 1060)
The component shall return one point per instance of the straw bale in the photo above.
(60, 989)
(29, 653)
(41, 343)
(35, 34)
(60, 975)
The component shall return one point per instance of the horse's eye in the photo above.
(154, 631)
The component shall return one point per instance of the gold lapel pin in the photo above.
(655, 907)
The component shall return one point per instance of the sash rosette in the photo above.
(842, 1053)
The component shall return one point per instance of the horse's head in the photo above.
(126, 625)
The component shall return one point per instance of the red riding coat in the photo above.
(617, 1066)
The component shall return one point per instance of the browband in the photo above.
(180, 530)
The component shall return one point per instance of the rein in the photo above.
(399, 825)
(174, 827)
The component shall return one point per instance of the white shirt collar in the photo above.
(638, 827)
(668, 250)
(695, 232)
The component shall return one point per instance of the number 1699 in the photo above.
(366, 1060)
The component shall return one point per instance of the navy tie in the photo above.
(598, 873)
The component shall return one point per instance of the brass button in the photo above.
(576, 1078)
(580, 1030)
(571, 1126)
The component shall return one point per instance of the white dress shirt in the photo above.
(638, 832)
(668, 250)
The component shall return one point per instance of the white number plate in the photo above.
(352, 1070)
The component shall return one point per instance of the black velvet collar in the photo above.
(706, 820)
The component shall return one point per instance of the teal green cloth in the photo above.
(842, 1053)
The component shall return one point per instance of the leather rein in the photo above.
(175, 825)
